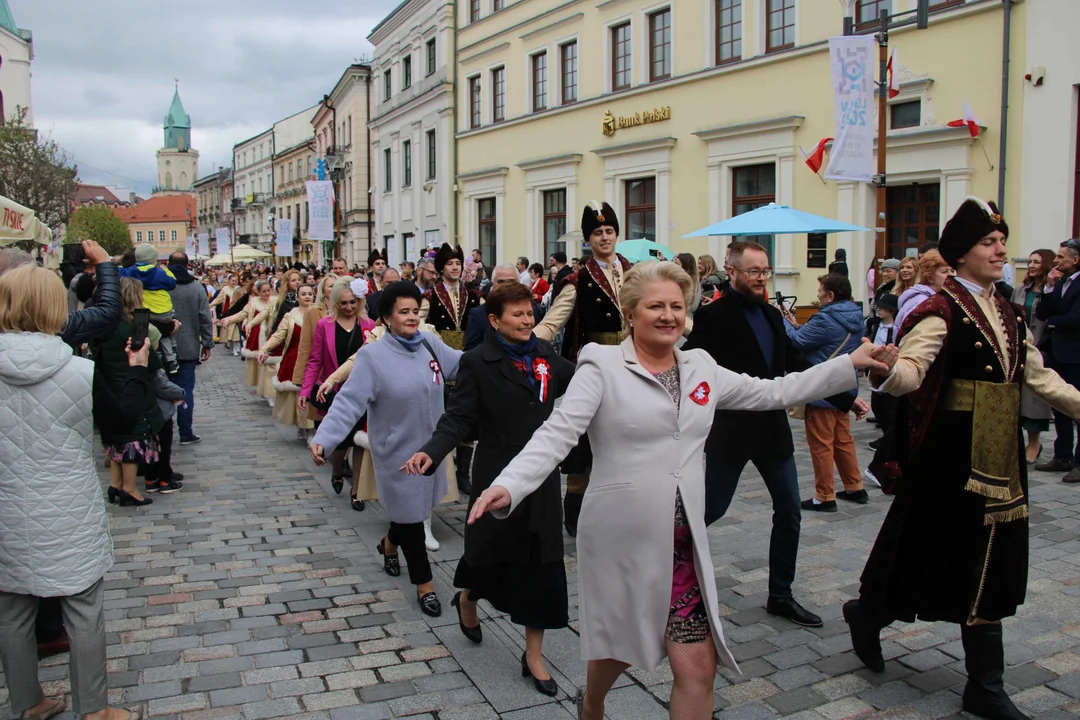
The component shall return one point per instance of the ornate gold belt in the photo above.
(453, 338)
(604, 338)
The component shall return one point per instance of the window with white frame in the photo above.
(539, 81)
(620, 56)
(568, 54)
(728, 31)
(660, 45)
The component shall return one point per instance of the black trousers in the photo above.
(50, 620)
(162, 469)
(884, 408)
(409, 537)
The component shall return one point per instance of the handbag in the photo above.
(799, 411)
(323, 406)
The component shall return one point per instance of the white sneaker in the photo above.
(271, 401)
(429, 540)
(869, 479)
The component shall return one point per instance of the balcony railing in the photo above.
(258, 198)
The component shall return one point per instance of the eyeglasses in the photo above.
(1074, 244)
(756, 273)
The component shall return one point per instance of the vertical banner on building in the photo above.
(320, 195)
(222, 237)
(189, 246)
(284, 238)
(852, 157)
(204, 245)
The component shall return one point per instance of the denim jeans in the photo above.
(782, 480)
(1064, 446)
(185, 378)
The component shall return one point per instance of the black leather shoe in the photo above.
(475, 634)
(391, 564)
(858, 496)
(571, 511)
(984, 658)
(1072, 477)
(337, 482)
(430, 605)
(829, 506)
(793, 611)
(547, 687)
(358, 505)
(865, 638)
(1055, 465)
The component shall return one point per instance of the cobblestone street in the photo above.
(256, 592)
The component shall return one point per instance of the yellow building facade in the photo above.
(684, 114)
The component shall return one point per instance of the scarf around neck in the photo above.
(287, 305)
(411, 344)
(521, 354)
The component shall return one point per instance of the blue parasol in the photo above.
(773, 219)
(637, 251)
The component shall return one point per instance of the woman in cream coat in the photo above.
(646, 583)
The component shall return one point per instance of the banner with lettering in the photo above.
(189, 246)
(284, 238)
(221, 235)
(204, 245)
(852, 156)
(320, 195)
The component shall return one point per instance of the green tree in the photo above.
(100, 224)
(35, 172)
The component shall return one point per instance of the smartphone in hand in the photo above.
(141, 326)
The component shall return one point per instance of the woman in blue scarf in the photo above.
(506, 388)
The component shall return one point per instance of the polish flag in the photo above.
(968, 120)
(814, 158)
(894, 81)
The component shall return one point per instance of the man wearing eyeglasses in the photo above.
(1060, 308)
(745, 334)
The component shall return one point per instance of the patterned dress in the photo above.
(687, 620)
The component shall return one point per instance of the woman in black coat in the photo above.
(506, 388)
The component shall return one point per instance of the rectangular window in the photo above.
(641, 209)
(539, 82)
(388, 171)
(942, 4)
(406, 72)
(728, 31)
(406, 163)
(779, 25)
(431, 56)
(905, 114)
(474, 10)
(498, 94)
(161, 236)
(497, 5)
(290, 172)
(867, 13)
(554, 221)
(432, 164)
(914, 213)
(388, 87)
(138, 236)
(752, 187)
(569, 72)
(475, 118)
(172, 236)
(660, 45)
(620, 56)
(486, 212)
(307, 217)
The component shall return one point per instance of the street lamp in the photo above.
(886, 20)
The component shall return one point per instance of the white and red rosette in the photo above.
(436, 372)
(700, 394)
(542, 373)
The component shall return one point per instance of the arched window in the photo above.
(183, 181)
(168, 181)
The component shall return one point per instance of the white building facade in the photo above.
(16, 54)
(412, 129)
(253, 185)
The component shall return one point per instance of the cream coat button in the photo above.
(677, 436)
(677, 473)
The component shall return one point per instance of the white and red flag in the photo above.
(894, 79)
(968, 120)
(815, 157)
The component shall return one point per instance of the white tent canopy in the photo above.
(20, 223)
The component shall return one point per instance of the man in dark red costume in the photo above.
(587, 304)
(954, 545)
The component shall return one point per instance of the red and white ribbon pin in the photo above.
(542, 372)
(436, 370)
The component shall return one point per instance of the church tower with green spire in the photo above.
(178, 162)
(16, 54)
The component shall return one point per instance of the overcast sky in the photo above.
(103, 72)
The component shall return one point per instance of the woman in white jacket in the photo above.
(646, 584)
(54, 532)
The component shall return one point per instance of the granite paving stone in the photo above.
(256, 593)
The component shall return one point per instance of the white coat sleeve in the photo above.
(743, 392)
(349, 404)
(556, 437)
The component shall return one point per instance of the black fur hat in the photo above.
(597, 215)
(375, 255)
(445, 254)
(973, 220)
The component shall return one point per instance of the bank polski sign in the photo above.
(852, 154)
(611, 123)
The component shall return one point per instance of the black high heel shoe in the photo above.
(127, 498)
(337, 482)
(358, 504)
(429, 604)
(114, 493)
(475, 634)
(391, 563)
(547, 687)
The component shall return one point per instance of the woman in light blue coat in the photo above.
(398, 382)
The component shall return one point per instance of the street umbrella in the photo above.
(246, 252)
(19, 223)
(225, 259)
(637, 251)
(773, 219)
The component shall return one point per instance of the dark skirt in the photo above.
(532, 593)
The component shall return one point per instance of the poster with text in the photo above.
(221, 235)
(284, 238)
(320, 195)
(852, 59)
(204, 245)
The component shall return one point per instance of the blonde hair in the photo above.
(708, 265)
(901, 284)
(633, 287)
(131, 296)
(32, 299)
(283, 286)
(321, 296)
(342, 286)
